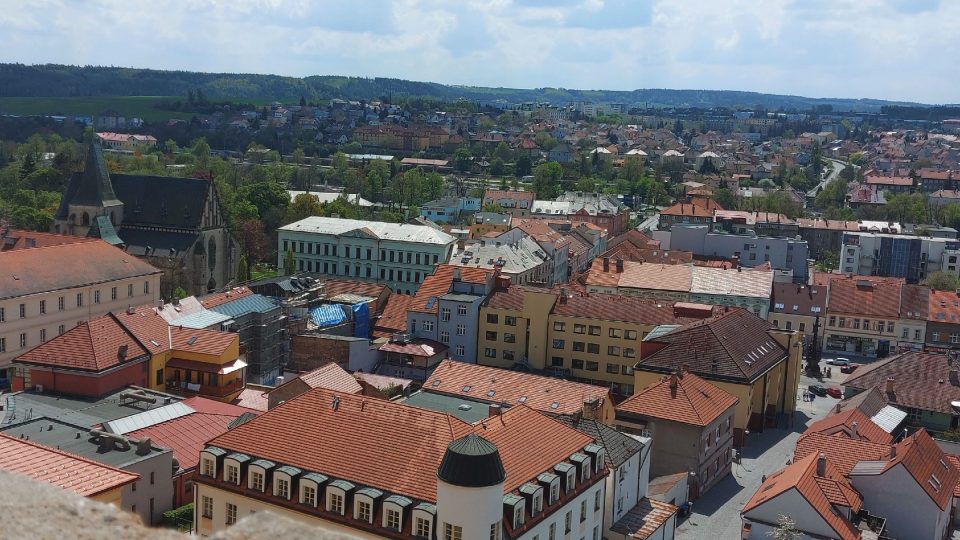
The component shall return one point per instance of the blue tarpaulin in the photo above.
(361, 320)
(328, 315)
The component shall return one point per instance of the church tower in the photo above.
(90, 194)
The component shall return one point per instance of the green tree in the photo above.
(832, 195)
(545, 141)
(289, 265)
(941, 281)
(497, 166)
(502, 152)
(340, 162)
(170, 146)
(546, 180)
(179, 293)
(303, 206)
(523, 166)
(243, 269)
(461, 159)
(201, 153)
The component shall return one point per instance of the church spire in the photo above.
(95, 187)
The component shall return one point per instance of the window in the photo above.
(428, 326)
(559, 326)
(363, 511)
(3, 344)
(444, 314)
(510, 321)
(79, 299)
(594, 330)
(629, 352)
(60, 330)
(593, 348)
(537, 504)
(906, 334)
(445, 337)
(283, 488)
(461, 329)
(113, 293)
(552, 534)
(146, 287)
(392, 520)
(613, 350)
(554, 492)
(916, 335)
(422, 528)
(60, 304)
(492, 318)
(509, 338)
(256, 481)
(208, 467)
(558, 344)
(579, 329)
(856, 324)
(489, 352)
(954, 338)
(579, 346)
(206, 506)
(556, 361)
(592, 366)
(310, 495)
(843, 322)
(615, 332)
(613, 368)
(495, 530)
(802, 326)
(3, 314)
(789, 325)
(832, 321)
(567, 521)
(43, 307)
(596, 501)
(233, 474)
(23, 340)
(889, 326)
(461, 309)
(335, 503)
(576, 364)
(231, 514)
(43, 335)
(935, 336)
(460, 350)
(630, 334)
(23, 311)
(452, 532)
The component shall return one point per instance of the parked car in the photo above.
(817, 389)
(834, 392)
(849, 368)
(838, 361)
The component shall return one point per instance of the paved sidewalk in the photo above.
(716, 515)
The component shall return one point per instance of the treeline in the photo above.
(933, 114)
(51, 80)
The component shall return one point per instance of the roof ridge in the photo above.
(695, 409)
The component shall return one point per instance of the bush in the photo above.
(178, 517)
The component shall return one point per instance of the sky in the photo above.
(885, 49)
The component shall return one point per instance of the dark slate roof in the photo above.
(162, 242)
(734, 346)
(619, 447)
(103, 229)
(93, 184)
(472, 461)
(161, 200)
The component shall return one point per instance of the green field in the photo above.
(129, 106)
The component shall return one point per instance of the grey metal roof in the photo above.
(237, 456)
(399, 500)
(563, 467)
(215, 450)
(266, 464)
(147, 418)
(547, 477)
(370, 492)
(289, 469)
(342, 484)
(254, 303)
(511, 499)
(465, 409)
(399, 232)
(202, 319)
(315, 477)
(888, 418)
(868, 467)
(426, 507)
(457, 297)
(530, 488)
(77, 410)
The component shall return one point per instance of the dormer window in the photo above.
(537, 504)
(283, 488)
(335, 503)
(393, 507)
(518, 516)
(256, 481)
(571, 480)
(232, 474)
(554, 492)
(208, 467)
(364, 511)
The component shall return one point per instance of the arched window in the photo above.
(86, 219)
(212, 253)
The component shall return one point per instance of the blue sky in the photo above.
(888, 49)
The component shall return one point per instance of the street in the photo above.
(716, 515)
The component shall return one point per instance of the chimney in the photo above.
(143, 446)
(460, 244)
(674, 379)
(495, 410)
(591, 408)
(503, 283)
(822, 464)
(854, 426)
(563, 295)
(889, 386)
(685, 368)
(619, 265)
(456, 274)
(606, 264)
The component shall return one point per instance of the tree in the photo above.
(170, 146)
(461, 159)
(502, 151)
(497, 166)
(303, 206)
(201, 152)
(339, 162)
(289, 266)
(179, 293)
(546, 180)
(253, 240)
(941, 281)
(243, 269)
(523, 166)
(786, 529)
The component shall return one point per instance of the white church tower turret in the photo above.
(470, 490)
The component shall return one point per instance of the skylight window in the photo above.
(491, 393)
(554, 405)
(522, 399)
(467, 388)
(436, 383)
(192, 340)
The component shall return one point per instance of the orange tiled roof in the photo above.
(13, 239)
(865, 295)
(41, 269)
(686, 209)
(392, 446)
(66, 471)
(820, 492)
(943, 307)
(394, 316)
(644, 519)
(89, 346)
(215, 299)
(201, 341)
(332, 377)
(694, 401)
(851, 423)
(538, 392)
(844, 453)
(439, 283)
(252, 398)
(928, 465)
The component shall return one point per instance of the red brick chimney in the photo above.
(606, 264)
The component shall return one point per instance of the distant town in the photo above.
(422, 318)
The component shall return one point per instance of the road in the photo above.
(834, 173)
(716, 515)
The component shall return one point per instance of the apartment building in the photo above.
(593, 338)
(515, 203)
(515, 256)
(50, 288)
(862, 315)
(410, 472)
(748, 248)
(399, 255)
(912, 258)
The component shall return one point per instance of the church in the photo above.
(175, 224)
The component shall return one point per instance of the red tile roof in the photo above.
(201, 341)
(12, 239)
(687, 209)
(943, 307)
(252, 398)
(394, 316)
(794, 299)
(418, 347)
(89, 346)
(644, 519)
(866, 296)
(538, 392)
(218, 298)
(395, 447)
(186, 435)
(889, 180)
(38, 270)
(693, 400)
(66, 471)
(916, 381)
(332, 377)
(851, 423)
(843, 452)
(928, 465)
(611, 307)
(820, 492)
(439, 284)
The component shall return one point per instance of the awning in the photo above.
(193, 365)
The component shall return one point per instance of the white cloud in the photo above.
(894, 49)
